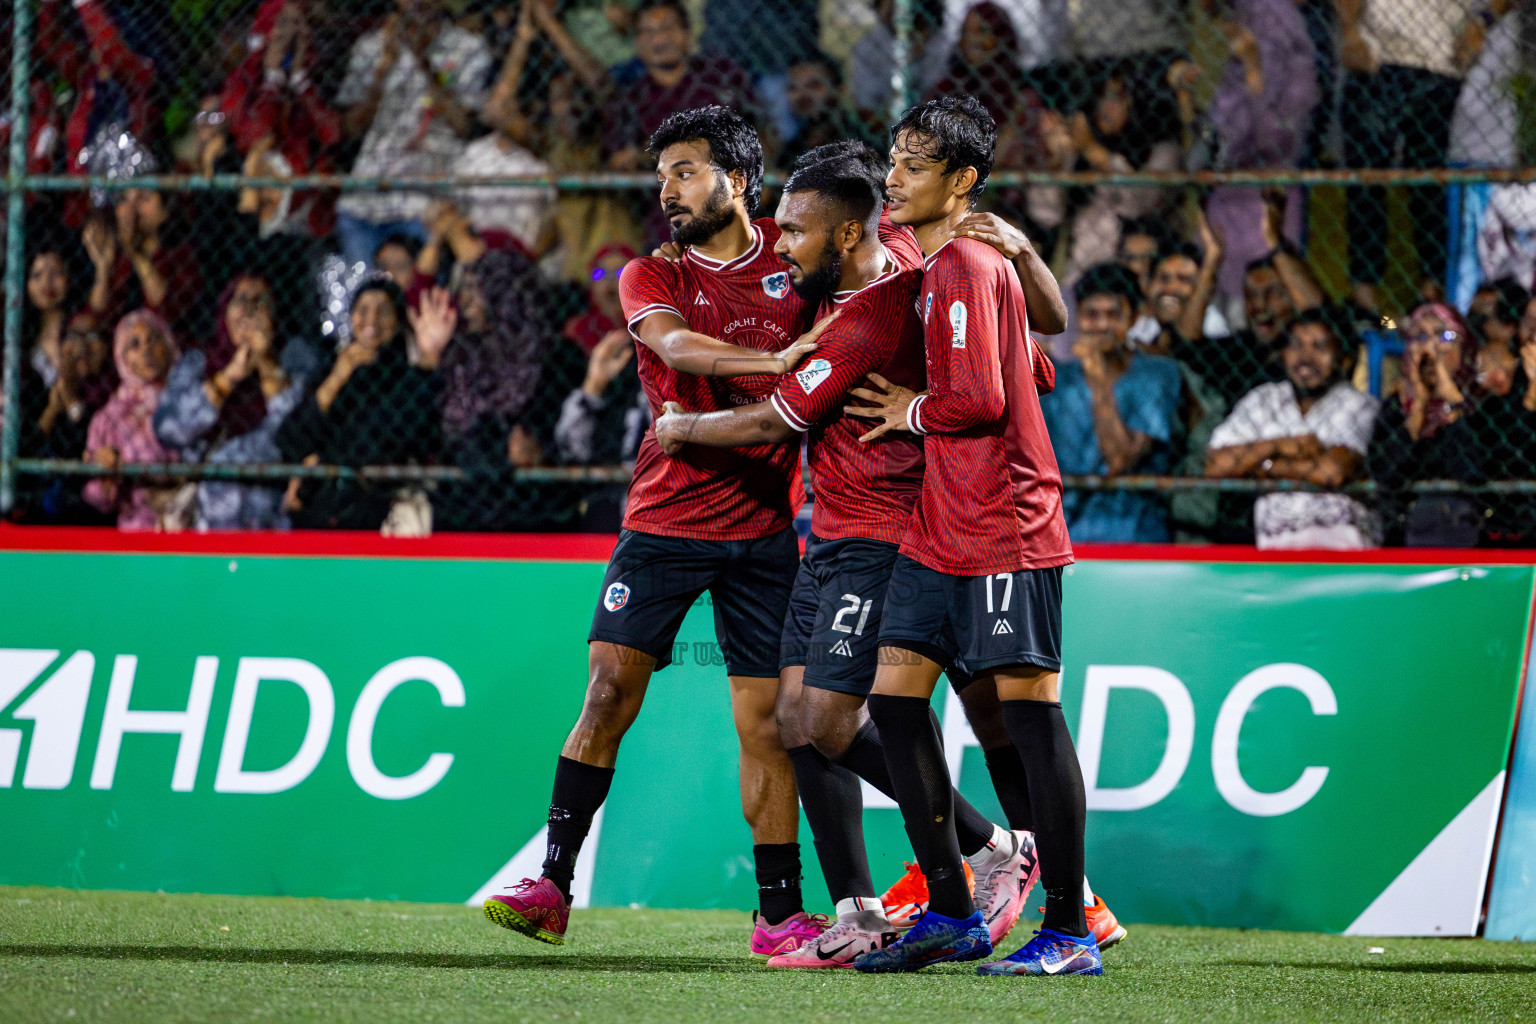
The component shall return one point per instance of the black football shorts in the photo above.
(835, 610)
(653, 580)
(975, 623)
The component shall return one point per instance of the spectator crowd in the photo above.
(1321, 336)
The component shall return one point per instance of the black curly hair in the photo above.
(732, 140)
(955, 130)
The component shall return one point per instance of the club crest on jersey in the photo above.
(777, 285)
(957, 324)
(927, 308)
(814, 373)
(616, 597)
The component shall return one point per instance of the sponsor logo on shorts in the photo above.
(616, 597)
(777, 285)
(1000, 627)
(814, 373)
(842, 647)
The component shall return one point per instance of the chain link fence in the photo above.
(354, 263)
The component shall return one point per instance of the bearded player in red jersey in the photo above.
(708, 520)
(979, 574)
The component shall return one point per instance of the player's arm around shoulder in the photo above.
(742, 427)
(801, 398)
(666, 333)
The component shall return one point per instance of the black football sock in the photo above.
(580, 790)
(834, 806)
(1058, 806)
(865, 757)
(1011, 786)
(973, 830)
(778, 881)
(915, 757)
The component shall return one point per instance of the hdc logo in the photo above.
(57, 709)
(1102, 680)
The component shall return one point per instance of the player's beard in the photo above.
(815, 286)
(708, 222)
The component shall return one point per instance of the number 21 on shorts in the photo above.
(853, 607)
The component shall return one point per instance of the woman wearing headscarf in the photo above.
(374, 406)
(491, 364)
(122, 432)
(224, 405)
(1432, 429)
(502, 373)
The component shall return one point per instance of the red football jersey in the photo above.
(862, 490)
(991, 498)
(714, 493)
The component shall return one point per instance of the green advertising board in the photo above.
(1266, 745)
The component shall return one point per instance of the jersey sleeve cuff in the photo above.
(645, 311)
(789, 416)
(915, 416)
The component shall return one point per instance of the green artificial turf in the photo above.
(117, 956)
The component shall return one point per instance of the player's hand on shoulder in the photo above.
(996, 232)
(807, 343)
(888, 404)
(672, 427)
(669, 251)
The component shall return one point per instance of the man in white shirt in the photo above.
(411, 91)
(1312, 427)
(524, 212)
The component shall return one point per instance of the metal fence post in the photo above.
(15, 270)
(901, 53)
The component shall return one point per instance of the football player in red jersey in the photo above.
(979, 575)
(706, 520)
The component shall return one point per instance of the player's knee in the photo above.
(611, 696)
(760, 733)
(787, 716)
(990, 731)
(984, 713)
(830, 735)
(830, 720)
(786, 708)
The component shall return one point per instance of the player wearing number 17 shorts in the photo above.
(979, 575)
